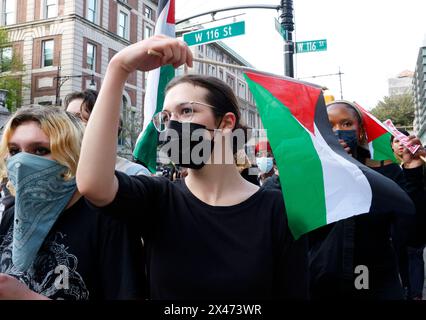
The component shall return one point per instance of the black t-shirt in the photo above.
(199, 251)
(101, 256)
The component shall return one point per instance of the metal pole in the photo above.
(288, 25)
(340, 80)
(58, 79)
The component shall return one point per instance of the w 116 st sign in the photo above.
(214, 34)
(311, 46)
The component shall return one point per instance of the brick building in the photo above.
(66, 46)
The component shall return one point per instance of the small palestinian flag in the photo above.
(146, 145)
(320, 182)
(378, 137)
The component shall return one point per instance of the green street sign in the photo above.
(283, 32)
(311, 46)
(214, 34)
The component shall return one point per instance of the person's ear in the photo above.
(362, 137)
(229, 120)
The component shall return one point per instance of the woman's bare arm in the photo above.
(95, 172)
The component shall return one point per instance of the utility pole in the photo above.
(288, 25)
(327, 75)
(340, 80)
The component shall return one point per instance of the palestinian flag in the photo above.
(146, 145)
(321, 183)
(378, 137)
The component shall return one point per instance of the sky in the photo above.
(369, 40)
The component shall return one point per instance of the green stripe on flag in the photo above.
(299, 165)
(146, 149)
(382, 149)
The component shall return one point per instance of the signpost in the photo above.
(214, 34)
(283, 32)
(311, 46)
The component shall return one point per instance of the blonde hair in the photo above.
(65, 132)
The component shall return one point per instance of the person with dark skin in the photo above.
(363, 240)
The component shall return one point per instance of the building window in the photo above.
(91, 56)
(148, 13)
(251, 119)
(241, 90)
(123, 25)
(221, 74)
(5, 58)
(92, 9)
(200, 68)
(9, 12)
(148, 32)
(212, 70)
(47, 53)
(230, 81)
(51, 9)
(220, 57)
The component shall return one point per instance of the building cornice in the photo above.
(69, 18)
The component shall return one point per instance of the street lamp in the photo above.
(4, 112)
(60, 80)
(288, 24)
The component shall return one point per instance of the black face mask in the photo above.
(186, 145)
(351, 139)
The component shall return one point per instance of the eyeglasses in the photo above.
(184, 113)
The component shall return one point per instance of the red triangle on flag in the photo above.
(171, 15)
(373, 129)
(299, 98)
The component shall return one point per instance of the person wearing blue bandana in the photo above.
(53, 244)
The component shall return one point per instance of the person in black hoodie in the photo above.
(338, 251)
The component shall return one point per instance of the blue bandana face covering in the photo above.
(41, 195)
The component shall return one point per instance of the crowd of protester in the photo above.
(79, 222)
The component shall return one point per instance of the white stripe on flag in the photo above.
(347, 190)
(150, 102)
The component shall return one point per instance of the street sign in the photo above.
(283, 32)
(214, 34)
(311, 46)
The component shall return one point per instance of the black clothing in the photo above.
(199, 251)
(273, 182)
(363, 240)
(102, 256)
(249, 177)
(416, 189)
